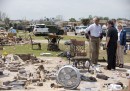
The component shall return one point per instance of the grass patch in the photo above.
(65, 37)
(24, 49)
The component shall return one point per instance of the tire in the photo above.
(35, 34)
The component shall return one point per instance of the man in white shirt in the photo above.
(94, 36)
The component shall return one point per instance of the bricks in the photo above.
(39, 84)
(1, 72)
(13, 69)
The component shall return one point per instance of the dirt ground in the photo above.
(52, 62)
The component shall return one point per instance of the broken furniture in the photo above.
(53, 42)
(78, 53)
(35, 43)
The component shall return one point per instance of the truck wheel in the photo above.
(35, 34)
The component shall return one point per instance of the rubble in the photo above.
(45, 54)
(1, 63)
(5, 87)
(89, 79)
(114, 87)
(53, 85)
(1, 72)
(35, 72)
(24, 57)
(102, 76)
(13, 69)
(39, 83)
(16, 84)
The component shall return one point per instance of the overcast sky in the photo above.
(36, 9)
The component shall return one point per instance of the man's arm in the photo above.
(87, 32)
(108, 37)
(87, 35)
(101, 33)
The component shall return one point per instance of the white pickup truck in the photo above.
(80, 30)
(40, 29)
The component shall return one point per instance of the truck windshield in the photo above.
(40, 26)
(83, 27)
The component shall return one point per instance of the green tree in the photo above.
(2, 16)
(90, 17)
(85, 22)
(10, 25)
(15, 25)
(72, 20)
(41, 21)
(101, 18)
(106, 18)
(119, 19)
(7, 21)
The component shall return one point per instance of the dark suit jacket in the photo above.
(123, 38)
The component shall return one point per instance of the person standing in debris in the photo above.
(95, 37)
(111, 44)
(120, 46)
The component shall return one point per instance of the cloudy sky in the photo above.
(36, 9)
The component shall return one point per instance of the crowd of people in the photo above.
(115, 43)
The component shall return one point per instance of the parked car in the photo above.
(30, 28)
(80, 30)
(127, 33)
(68, 28)
(40, 29)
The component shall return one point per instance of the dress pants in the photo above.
(94, 50)
(90, 50)
(120, 53)
(111, 55)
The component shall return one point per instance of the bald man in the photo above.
(94, 35)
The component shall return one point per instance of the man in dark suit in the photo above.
(111, 45)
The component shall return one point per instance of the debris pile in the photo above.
(22, 71)
(25, 70)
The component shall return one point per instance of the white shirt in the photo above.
(95, 30)
(119, 32)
